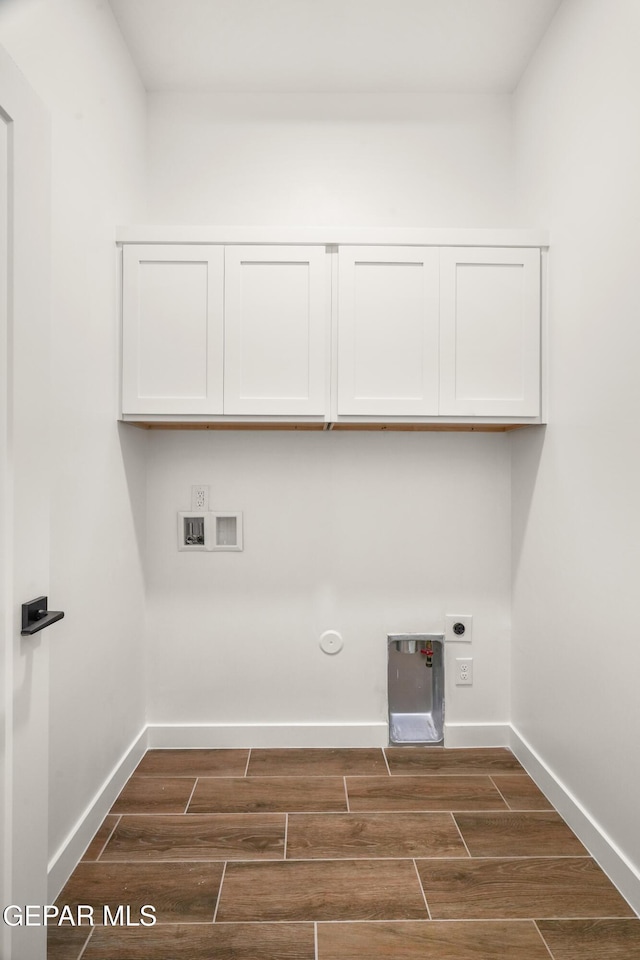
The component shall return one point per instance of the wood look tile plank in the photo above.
(350, 835)
(193, 763)
(592, 939)
(317, 762)
(65, 942)
(510, 834)
(322, 890)
(198, 837)
(524, 889)
(519, 888)
(196, 941)
(426, 761)
(521, 793)
(103, 833)
(427, 940)
(154, 795)
(268, 794)
(180, 892)
(377, 794)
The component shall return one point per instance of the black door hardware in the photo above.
(36, 616)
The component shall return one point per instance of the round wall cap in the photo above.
(331, 642)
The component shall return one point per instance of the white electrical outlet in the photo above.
(464, 671)
(200, 497)
(458, 628)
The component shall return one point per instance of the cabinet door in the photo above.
(172, 336)
(277, 315)
(490, 332)
(388, 331)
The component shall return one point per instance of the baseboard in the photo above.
(66, 858)
(606, 853)
(224, 735)
(477, 735)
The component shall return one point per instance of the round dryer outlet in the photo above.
(331, 642)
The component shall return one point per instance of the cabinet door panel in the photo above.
(172, 329)
(276, 330)
(388, 331)
(490, 332)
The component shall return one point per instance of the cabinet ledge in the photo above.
(262, 425)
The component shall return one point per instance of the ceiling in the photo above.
(333, 46)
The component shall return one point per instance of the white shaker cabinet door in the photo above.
(490, 332)
(173, 331)
(277, 322)
(388, 331)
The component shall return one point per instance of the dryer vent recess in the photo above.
(415, 678)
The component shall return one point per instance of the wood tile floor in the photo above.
(408, 853)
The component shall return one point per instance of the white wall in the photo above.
(97, 105)
(576, 514)
(336, 537)
(356, 160)
(364, 533)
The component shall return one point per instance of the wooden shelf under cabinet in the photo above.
(415, 427)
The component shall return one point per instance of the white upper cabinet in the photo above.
(277, 318)
(489, 332)
(388, 331)
(172, 333)
(348, 332)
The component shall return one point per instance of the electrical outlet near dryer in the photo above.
(458, 628)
